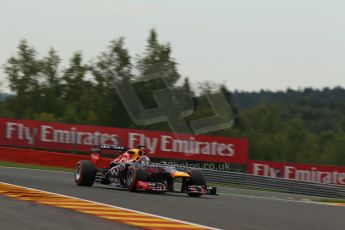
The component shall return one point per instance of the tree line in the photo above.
(305, 126)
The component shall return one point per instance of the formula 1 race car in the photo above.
(133, 170)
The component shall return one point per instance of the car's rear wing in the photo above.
(99, 148)
(96, 151)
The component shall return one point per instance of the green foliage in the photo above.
(78, 92)
(306, 125)
(293, 132)
(23, 74)
(51, 87)
(157, 59)
(111, 66)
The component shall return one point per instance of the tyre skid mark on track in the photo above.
(112, 213)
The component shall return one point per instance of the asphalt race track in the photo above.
(16, 214)
(226, 211)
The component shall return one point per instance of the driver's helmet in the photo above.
(145, 160)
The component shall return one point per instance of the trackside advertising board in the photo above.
(303, 172)
(57, 136)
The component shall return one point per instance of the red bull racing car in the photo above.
(133, 170)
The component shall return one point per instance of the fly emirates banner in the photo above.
(69, 137)
(323, 174)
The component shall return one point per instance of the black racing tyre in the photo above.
(197, 178)
(170, 183)
(134, 175)
(85, 173)
(194, 194)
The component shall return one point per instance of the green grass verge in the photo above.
(33, 166)
(333, 200)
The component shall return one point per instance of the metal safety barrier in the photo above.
(275, 184)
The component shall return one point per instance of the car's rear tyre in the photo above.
(133, 176)
(197, 178)
(85, 173)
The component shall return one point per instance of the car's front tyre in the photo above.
(133, 176)
(197, 178)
